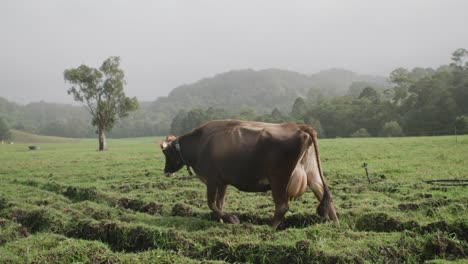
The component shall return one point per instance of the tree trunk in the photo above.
(102, 139)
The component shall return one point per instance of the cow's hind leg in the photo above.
(281, 207)
(212, 190)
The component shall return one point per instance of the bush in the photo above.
(5, 133)
(361, 133)
(391, 129)
(461, 122)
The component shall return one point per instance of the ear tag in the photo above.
(164, 145)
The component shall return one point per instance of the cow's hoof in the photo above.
(230, 218)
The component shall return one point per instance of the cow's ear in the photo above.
(170, 138)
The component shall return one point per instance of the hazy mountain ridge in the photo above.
(55, 118)
(261, 90)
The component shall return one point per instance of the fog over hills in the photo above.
(258, 90)
(163, 44)
(263, 89)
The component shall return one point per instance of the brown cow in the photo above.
(253, 157)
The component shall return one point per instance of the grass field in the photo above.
(25, 137)
(69, 203)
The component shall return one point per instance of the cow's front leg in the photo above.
(220, 194)
(215, 195)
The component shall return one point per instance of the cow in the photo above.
(253, 157)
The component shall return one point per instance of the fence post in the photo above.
(456, 138)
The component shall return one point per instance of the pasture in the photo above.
(69, 203)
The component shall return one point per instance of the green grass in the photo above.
(68, 202)
(25, 137)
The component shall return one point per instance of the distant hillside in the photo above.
(24, 137)
(55, 119)
(261, 90)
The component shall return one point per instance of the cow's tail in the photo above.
(326, 207)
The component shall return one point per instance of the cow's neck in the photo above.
(188, 150)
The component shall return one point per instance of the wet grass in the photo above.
(69, 203)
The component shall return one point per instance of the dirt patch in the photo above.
(4, 203)
(139, 239)
(301, 220)
(436, 202)
(124, 188)
(128, 203)
(460, 229)
(408, 207)
(381, 222)
(189, 194)
(302, 252)
(131, 238)
(139, 206)
(52, 187)
(423, 195)
(152, 208)
(254, 219)
(78, 194)
(34, 221)
(290, 221)
(98, 214)
(181, 210)
(11, 231)
(444, 247)
(196, 202)
(183, 244)
(378, 222)
(385, 188)
(347, 205)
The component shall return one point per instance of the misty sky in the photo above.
(164, 44)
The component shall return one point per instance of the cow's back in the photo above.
(244, 154)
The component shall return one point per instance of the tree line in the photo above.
(419, 101)
(422, 101)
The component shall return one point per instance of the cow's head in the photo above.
(173, 159)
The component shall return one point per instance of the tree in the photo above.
(458, 56)
(185, 121)
(246, 114)
(461, 123)
(400, 77)
(362, 132)
(391, 129)
(5, 133)
(368, 92)
(101, 92)
(299, 108)
(315, 123)
(277, 115)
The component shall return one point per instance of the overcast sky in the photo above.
(163, 44)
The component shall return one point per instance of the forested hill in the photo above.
(337, 103)
(258, 91)
(65, 120)
(262, 90)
